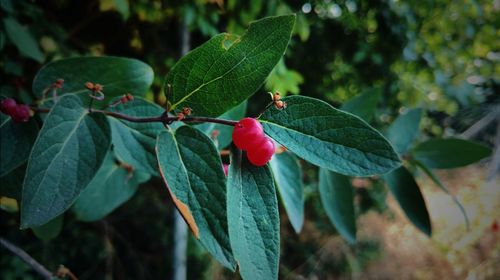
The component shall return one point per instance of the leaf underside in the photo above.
(253, 219)
(330, 138)
(192, 170)
(66, 155)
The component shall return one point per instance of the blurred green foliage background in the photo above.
(439, 55)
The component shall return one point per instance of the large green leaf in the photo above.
(440, 184)
(407, 193)
(253, 218)
(224, 132)
(16, 140)
(67, 153)
(288, 176)
(22, 39)
(449, 153)
(226, 70)
(192, 170)
(337, 196)
(404, 130)
(112, 186)
(329, 138)
(134, 143)
(117, 75)
(363, 105)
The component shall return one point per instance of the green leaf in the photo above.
(363, 105)
(123, 8)
(224, 132)
(449, 153)
(49, 230)
(112, 186)
(117, 75)
(284, 80)
(226, 70)
(330, 138)
(438, 182)
(16, 140)
(22, 38)
(134, 143)
(407, 193)
(404, 130)
(66, 155)
(254, 226)
(288, 176)
(192, 170)
(337, 197)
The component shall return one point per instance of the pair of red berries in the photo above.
(248, 135)
(18, 112)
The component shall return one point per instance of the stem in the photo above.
(36, 266)
(161, 119)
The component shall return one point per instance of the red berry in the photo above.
(261, 153)
(21, 114)
(247, 132)
(8, 106)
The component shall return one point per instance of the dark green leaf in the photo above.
(330, 138)
(112, 186)
(16, 140)
(337, 196)
(134, 143)
(449, 153)
(67, 154)
(404, 130)
(192, 170)
(288, 176)
(407, 193)
(363, 105)
(438, 182)
(224, 132)
(226, 70)
(49, 230)
(22, 38)
(117, 75)
(254, 226)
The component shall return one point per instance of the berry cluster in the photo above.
(18, 112)
(248, 135)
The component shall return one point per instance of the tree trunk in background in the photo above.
(179, 261)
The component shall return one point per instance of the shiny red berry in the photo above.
(247, 132)
(8, 106)
(21, 113)
(262, 152)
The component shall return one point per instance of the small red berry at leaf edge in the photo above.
(8, 106)
(21, 114)
(261, 153)
(247, 132)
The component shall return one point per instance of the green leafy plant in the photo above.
(98, 143)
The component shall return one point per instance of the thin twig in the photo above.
(162, 119)
(36, 266)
